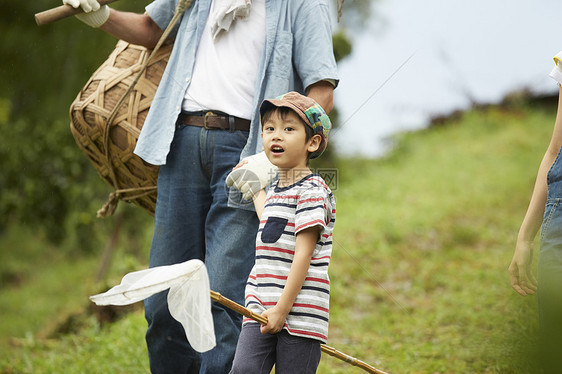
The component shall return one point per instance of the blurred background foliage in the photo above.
(47, 184)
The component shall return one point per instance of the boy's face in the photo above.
(284, 141)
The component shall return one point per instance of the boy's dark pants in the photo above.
(256, 353)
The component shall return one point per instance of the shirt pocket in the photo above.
(273, 229)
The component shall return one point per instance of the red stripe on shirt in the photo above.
(319, 280)
(290, 224)
(283, 277)
(320, 258)
(319, 182)
(311, 200)
(252, 296)
(274, 249)
(308, 333)
(311, 223)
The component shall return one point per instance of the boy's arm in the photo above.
(304, 248)
(259, 202)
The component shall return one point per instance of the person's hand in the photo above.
(520, 275)
(94, 15)
(275, 321)
(251, 175)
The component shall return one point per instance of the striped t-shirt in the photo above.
(287, 211)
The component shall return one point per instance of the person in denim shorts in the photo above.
(545, 213)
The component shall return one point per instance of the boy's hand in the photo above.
(94, 15)
(275, 321)
(251, 175)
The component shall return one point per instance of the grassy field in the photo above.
(419, 270)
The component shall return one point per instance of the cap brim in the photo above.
(269, 103)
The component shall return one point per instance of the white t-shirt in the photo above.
(226, 69)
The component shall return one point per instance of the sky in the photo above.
(424, 58)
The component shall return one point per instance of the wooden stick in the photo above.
(61, 12)
(215, 296)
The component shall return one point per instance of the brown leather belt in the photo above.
(213, 121)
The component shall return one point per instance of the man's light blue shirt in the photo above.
(297, 53)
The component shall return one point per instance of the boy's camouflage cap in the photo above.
(308, 110)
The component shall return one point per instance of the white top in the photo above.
(556, 72)
(226, 69)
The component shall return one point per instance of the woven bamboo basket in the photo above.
(109, 146)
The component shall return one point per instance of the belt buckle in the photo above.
(208, 114)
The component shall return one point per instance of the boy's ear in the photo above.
(314, 143)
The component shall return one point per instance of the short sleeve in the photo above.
(312, 210)
(556, 72)
(161, 12)
(313, 54)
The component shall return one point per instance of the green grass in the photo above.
(34, 294)
(419, 269)
(115, 349)
(423, 241)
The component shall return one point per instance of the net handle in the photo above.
(61, 12)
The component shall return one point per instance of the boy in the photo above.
(289, 282)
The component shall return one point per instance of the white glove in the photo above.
(94, 15)
(253, 176)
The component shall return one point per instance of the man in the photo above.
(228, 56)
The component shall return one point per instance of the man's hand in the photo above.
(94, 15)
(252, 175)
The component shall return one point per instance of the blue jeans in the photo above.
(256, 353)
(550, 273)
(192, 221)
